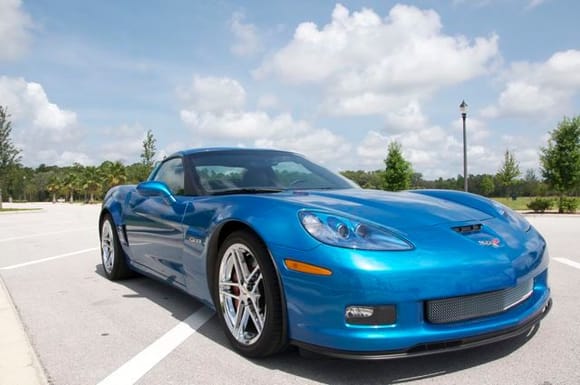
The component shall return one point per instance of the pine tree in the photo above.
(508, 172)
(398, 172)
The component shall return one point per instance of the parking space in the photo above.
(88, 330)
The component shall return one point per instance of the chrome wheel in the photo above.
(241, 294)
(107, 246)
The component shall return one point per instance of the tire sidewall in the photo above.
(115, 272)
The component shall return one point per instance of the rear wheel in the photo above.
(247, 296)
(112, 255)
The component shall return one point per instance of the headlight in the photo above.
(513, 217)
(349, 233)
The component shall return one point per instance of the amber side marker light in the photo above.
(306, 268)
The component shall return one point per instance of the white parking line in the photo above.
(136, 367)
(11, 267)
(568, 262)
(44, 234)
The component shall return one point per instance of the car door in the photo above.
(154, 225)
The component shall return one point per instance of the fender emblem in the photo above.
(195, 241)
(494, 242)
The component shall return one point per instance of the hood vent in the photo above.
(468, 228)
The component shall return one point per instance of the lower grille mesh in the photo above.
(479, 305)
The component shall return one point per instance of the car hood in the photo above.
(401, 210)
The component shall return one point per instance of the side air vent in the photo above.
(468, 228)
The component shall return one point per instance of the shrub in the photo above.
(540, 204)
(569, 205)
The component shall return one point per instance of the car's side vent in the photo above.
(468, 228)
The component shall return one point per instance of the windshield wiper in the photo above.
(247, 191)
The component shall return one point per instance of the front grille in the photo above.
(479, 305)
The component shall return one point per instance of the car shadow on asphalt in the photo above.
(326, 369)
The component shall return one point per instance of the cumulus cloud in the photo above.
(535, 3)
(538, 89)
(247, 39)
(124, 143)
(268, 101)
(62, 158)
(213, 94)
(367, 63)
(233, 123)
(15, 25)
(434, 150)
(28, 102)
(44, 131)
(424, 144)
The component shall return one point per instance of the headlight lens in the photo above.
(512, 216)
(349, 233)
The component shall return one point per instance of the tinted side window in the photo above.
(171, 173)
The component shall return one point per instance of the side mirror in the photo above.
(156, 189)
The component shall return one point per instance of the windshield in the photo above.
(261, 171)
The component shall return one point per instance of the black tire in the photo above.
(256, 297)
(112, 255)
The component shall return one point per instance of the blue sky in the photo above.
(337, 82)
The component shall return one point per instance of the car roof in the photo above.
(239, 150)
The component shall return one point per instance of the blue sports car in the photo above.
(288, 252)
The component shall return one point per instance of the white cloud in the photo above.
(539, 89)
(535, 3)
(42, 129)
(213, 94)
(15, 25)
(476, 130)
(367, 64)
(434, 150)
(234, 124)
(247, 40)
(62, 158)
(42, 120)
(268, 101)
(124, 143)
(425, 145)
(407, 118)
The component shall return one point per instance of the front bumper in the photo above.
(437, 347)
(316, 304)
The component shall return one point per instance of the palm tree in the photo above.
(73, 180)
(113, 173)
(91, 179)
(69, 186)
(55, 186)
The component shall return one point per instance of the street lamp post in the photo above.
(463, 109)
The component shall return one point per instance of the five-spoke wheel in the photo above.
(247, 296)
(241, 294)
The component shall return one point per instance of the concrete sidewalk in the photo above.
(18, 362)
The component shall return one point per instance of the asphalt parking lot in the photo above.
(87, 330)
